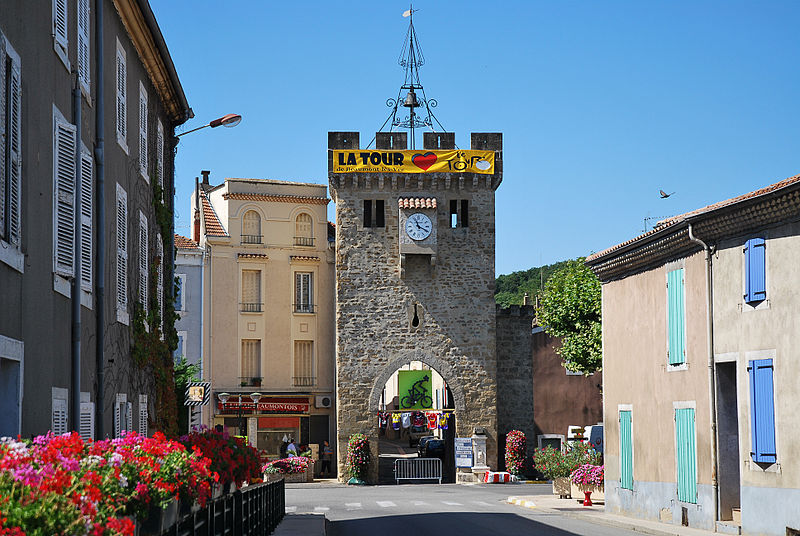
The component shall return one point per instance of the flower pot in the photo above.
(160, 519)
(561, 487)
(587, 499)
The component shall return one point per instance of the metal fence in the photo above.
(253, 511)
(418, 469)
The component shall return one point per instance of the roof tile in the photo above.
(213, 225)
(181, 242)
(277, 198)
(416, 202)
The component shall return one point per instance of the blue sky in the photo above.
(601, 104)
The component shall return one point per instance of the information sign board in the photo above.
(463, 452)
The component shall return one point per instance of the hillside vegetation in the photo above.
(509, 289)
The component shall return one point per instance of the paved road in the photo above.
(430, 509)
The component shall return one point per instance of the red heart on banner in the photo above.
(423, 161)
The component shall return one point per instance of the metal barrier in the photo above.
(418, 469)
(253, 511)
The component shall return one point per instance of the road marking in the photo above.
(386, 504)
(321, 508)
(352, 506)
(419, 503)
(448, 503)
(521, 502)
(481, 503)
(290, 509)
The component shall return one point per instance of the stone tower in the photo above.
(415, 247)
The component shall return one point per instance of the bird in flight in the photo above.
(664, 194)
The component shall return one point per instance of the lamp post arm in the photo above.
(193, 130)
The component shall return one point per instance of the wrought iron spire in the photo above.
(411, 59)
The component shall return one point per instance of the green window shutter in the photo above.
(676, 323)
(625, 450)
(686, 455)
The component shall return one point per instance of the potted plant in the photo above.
(358, 458)
(553, 465)
(293, 469)
(588, 478)
(515, 453)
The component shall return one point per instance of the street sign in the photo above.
(463, 452)
(198, 394)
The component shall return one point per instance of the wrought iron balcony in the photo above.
(252, 307)
(303, 241)
(304, 308)
(251, 239)
(250, 381)
(304, 381)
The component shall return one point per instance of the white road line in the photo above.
(321, 508)
(481, 503)
(448, 503)
(290, 509)
(386, 504)
(419, 503)
(352, 506)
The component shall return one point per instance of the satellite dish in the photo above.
(407, 13)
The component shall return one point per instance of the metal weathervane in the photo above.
(411, 59)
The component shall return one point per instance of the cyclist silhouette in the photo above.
(417, 393)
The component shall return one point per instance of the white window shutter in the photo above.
(15, 158)
(129, 416)
(64, 197)
(160, 282)
(60, 22)
(143, 264)
(122, 106)
(84, 75)
(86, 220)
(143, 415)
(59, 417)
(143, 132)
(122, 249)
(120, 418)
(87, 421)
(160, 156)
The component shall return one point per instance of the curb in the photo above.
(521, 502)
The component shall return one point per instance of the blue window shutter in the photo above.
(686, 454)
(762, 411)
(625, 450)
(755, 270)
(676, 343)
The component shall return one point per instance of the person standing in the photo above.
(325, 457)
(291, 449)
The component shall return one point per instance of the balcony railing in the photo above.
(304, 381)
(303, 241)
(251, 239)
(250, 381)
(252, 307)
(304, 308)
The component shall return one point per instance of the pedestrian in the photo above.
(325, 457)
(291, 448)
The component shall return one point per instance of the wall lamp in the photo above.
(227, 120)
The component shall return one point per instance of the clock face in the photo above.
(418, 226)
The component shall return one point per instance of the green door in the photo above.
(686, 455)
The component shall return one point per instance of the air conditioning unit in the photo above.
(324, 401)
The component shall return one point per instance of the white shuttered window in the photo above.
(87, 420)
(122, 255)
(160, 282)
(303, 292)
(304, 363)
(63, 196)
(143, 415)
(143, 264)
(86, 220)
(251, 358)
(121, 414)
(160, 155)
(122, 104)
(60, 24)
(251, 290)
(10, 144)
(84, 68)
(143, 132)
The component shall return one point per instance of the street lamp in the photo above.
(227, 120)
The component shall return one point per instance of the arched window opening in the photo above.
(251, 228)
(303, 230)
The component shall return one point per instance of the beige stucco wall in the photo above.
(277, 325)
(771, 330)
(636, 370)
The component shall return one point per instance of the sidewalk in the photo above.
(596, 514)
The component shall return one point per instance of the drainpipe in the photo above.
(75, 390)
(100, 235)
(711, 370)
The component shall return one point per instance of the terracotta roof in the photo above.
(669, 222)
(181, 242)
(302, 258)
(253, 256)
(213, 225)
(277, 198)
(416, 202)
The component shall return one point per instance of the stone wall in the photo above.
(453, 291)
(515, 371)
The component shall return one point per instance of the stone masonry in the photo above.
(377, 289)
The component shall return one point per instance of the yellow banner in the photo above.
(422, 161)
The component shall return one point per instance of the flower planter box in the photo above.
(306, 476)
(597, 493)
(562, 487)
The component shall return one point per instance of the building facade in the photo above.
(87, 129)
(700, 366)
(268, 310)
(415, 279)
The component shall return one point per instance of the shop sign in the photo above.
(232, 405)
(463, 451)
(424, 161)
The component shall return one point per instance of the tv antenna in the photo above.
(648, 219)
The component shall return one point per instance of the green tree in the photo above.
(510, 288)
(184, 373)
(569, 308)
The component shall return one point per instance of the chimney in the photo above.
(196, 228)
(526, 299)
(205, 174)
